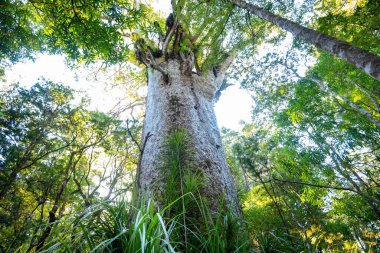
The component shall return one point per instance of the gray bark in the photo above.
(185, 101)
(366, 61)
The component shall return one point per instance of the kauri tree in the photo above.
(186, 58)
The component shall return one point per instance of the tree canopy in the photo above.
(307, 167)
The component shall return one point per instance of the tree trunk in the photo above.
(184, 100)
(354, 106)
(360, 58)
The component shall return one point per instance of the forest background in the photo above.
(306, 167)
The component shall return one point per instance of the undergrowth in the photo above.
(184, 223)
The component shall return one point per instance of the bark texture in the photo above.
(366, 61)
(185, 101)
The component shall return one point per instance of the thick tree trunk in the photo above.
(360, 58)
(185, 101)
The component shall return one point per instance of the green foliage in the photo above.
(184, 223)
(198, 228)
(315, 161)
(307, 168)
(359, 26)
(299, 199)
(311, 153)
(312, 160)
(215, 30)
(52, 160)
(120, 227)
(18, 38)
(86, 30)
(114, 227)
(83, 31)
(178, 164)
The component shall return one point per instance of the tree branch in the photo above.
(313, 185)
(168, 38)
(140, 159)
(133, 138)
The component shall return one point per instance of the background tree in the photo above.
(312, 147)
(56, 158)
(310, 157)
(366, 61)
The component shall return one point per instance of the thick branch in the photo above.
(227, 62)
(168, 38)
(222, 87)
(366, 61)
(145, 56)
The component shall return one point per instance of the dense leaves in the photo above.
(18, 39)
(315, 166)
(307, 167)
(56, 157)
(83, 30)
(358, 25)
(311, 155)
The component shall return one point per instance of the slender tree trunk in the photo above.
(354, 106)
(184, 100)
(345, 171)
(360, 58)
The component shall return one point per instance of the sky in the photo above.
(233, 106)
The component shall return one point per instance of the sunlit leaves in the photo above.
(312, 153)
(86, 30)
(83, 30)
(18, 36)
(338, 6)
(354, 21)
(55, 157)
(213, 30)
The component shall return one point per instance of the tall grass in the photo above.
(120, 227)
(184, 223)
(114, 227)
